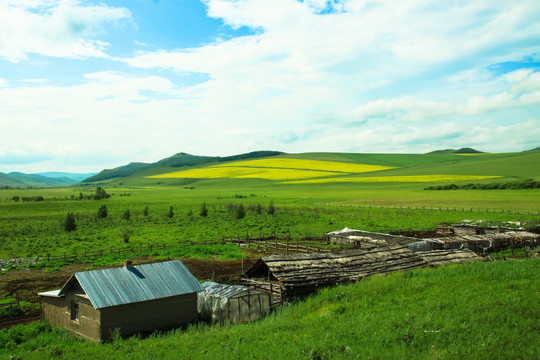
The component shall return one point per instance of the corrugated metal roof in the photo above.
(125, 285)
(223, 290)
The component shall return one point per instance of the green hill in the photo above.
(457, 166)
(175, 161)
(465, 150)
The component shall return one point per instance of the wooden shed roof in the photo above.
(448, 257)
(316, 269)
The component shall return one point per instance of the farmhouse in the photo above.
(235, 303)
(132, 299)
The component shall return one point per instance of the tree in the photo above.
(259, 209)
(271, 208)
(240, 212)
(171, 213)
(69, 222)
(126, 215)
(126, 234)
(145, 211)
(101, 194)
(102, 212)
(204, 210)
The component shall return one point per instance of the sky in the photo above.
(90, 85)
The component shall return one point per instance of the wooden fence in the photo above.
(438, 208)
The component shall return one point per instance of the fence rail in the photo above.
(437, 208)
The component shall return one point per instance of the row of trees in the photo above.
(527, 184)
(238, 210)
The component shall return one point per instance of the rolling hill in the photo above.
(280, 168)
(465, 150)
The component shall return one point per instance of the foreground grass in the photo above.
(473, 311)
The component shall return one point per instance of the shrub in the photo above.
(240, 212)
(102, 212)
(126, 215)
(204, 210)
(69, 222)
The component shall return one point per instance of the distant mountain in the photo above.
(65, 175)
(535, 149)
(459, 151)
(177, 160)
(16, 179)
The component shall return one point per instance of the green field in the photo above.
(31, 228)
(484, 310)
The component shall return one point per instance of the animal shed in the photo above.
(301, 274)
(235, 303)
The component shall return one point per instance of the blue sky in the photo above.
(88, 85)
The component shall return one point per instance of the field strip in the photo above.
(273, 169)
(406, 178)
(304, 164)
(230, 172)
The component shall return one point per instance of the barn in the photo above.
(233, 303)
(132, 299)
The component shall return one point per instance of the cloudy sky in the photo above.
(88, 85)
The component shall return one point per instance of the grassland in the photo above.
(311, 207)
(472, 311)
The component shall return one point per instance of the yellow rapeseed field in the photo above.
(274, 169)
(230, 172)
(304, 164)
(408, 178)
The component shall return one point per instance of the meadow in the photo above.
(375, 192)
(483, 310)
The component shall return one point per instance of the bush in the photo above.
(204, 210)
(102, 212)
(69, 222)
(101, 194)
(126, 215)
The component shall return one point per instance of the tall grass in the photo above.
(472, 311)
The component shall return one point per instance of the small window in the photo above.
(74, 311)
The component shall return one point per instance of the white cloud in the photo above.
(60, 28)
(410, 76)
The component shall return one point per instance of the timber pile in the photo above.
(303, 273)
(506, 240)
(365, 239)
(448, 257)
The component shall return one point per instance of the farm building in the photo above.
(132, 299)
(299, 274)
(365, 239)
(487, 242)
(448, 257)
(235, 303)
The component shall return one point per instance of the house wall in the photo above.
(149, 316)
(57, 312)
